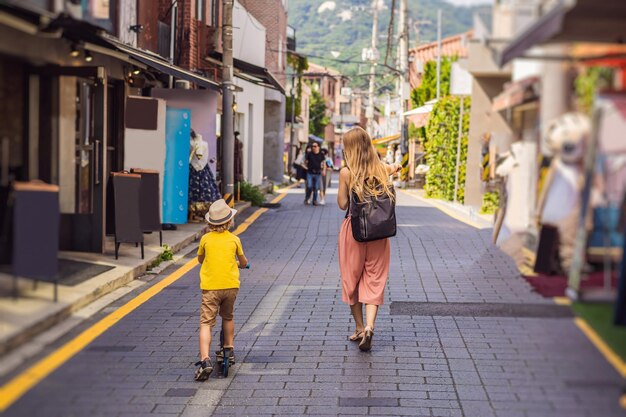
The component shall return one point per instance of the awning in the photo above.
(420, 115)
(598, 21)
(252, 73)
(157, 62)
(386, 139)
(517, 93)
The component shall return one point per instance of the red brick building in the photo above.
(197, 32)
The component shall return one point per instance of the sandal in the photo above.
(356, 336)
(366, 341)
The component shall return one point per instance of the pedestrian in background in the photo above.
(325, 174)
(330, 166)
(364, 267)
(220, 253)
(314, 165)
(299, 164)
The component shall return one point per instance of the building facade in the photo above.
(272, 15)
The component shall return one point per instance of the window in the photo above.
(200, 10)
(214, 14)
(345, 108)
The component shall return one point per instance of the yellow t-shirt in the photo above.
(219, 270)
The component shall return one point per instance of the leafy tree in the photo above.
(428, 89)
(318, 119)
(441, 148)
(590, 81)
(320, 33)
(298, 65)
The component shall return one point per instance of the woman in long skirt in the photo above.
(364, 266)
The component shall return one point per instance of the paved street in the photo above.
(292, 349)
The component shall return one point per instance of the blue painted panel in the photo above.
(176, 176)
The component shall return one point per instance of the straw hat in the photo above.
(219, 213)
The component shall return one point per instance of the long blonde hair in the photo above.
(368, 175)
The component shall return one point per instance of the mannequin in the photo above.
(202, 187)
(559, 202)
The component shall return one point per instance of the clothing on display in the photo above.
(202, 186)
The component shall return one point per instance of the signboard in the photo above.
(460, 81)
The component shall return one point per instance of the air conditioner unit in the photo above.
(182, 85)
(346, 91)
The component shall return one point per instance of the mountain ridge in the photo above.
(344, 27)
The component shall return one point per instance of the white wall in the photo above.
(251, 132)
(127, 18)
(203, 106)
(248, 37)
(249, 46)
(146, 148)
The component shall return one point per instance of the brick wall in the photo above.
(188, 52)
(273, 15)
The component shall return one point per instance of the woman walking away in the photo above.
(364, 266)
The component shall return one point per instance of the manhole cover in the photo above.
(407, 308)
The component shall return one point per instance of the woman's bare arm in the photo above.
(343, 194)
(393, 168)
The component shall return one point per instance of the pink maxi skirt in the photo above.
(364, 267)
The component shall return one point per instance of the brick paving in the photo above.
(294, 358)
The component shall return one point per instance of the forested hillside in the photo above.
(338, 30)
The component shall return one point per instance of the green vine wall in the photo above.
(441, 148)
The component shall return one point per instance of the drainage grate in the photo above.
(407, 308)
(180, 392)
(111, 348)
(368, 402)
(177, 287)
(271, 205)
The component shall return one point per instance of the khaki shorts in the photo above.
(214, 301)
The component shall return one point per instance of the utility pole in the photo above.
(290, 155)
(173, 30)
(438, 54)
(403, 52)
(373, 58)
(228, 138)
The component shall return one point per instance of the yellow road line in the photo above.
(18, 386)
(22, 383)
(606, 351)
(445, 210)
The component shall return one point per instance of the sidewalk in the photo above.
(483, 345)
(34, 311)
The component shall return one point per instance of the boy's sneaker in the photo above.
(205, 368)
(322, 202)
(231, 355)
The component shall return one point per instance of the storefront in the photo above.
(63, 88)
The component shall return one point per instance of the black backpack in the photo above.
(374, 218)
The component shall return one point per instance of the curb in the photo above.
(59, 312)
